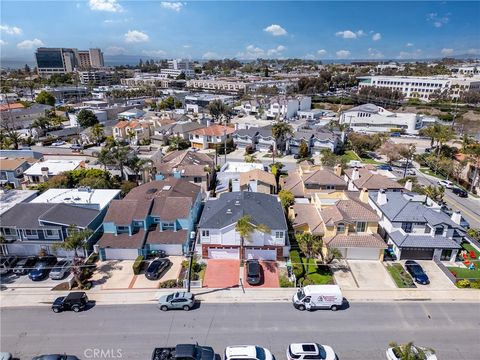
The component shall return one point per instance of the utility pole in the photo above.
(225, 145)
(190, 265)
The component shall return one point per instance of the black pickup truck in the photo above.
(184, 352)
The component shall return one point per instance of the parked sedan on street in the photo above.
(42, 268)
(445, 183)
(24, 265)
(417, 272)
(179, 300)
(460, 192)
(58, 143)
(60, 269)
(247, 352)
(156, 268)
(306, 351)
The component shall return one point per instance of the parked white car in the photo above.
(58, 143)
(393, 353)
(247, 352)
(304, 351)
(445, 183)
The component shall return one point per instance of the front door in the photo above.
(446, 255)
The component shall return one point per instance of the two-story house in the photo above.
(11, 171)
(415, 230)
(283, 107)
(363, 178)
(42, 171)
(258, 138)
(220, 240)
(182, 129)
(304, 181)
(159, 215)
(316, 141)
(344, 220)
(210, 136)
(131, 130)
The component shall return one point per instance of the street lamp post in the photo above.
(225, 144)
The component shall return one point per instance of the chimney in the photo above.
(408, 185)
(44, 173)
(208, 122)
(355, 174)
(252, 185)
(236, 126)
(364, 195)
(235, 185)
(381, 197)
(338, 170)
(457, 217)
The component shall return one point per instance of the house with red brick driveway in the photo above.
(220, 240)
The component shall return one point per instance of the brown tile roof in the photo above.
(308, 214)
(123, 241)
(122, 212)
(364, 241)
(214, 130)
(167, 237)
(372, 181)
(187, 157)
(293, 182)
(121, 124)
(257, 174)
(348, 211)
(11, 164)
(11, 106)
(324, 177)
(171, 208)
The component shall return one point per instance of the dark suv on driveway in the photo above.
(75, 301)
(254, 272)
(24, 265)
(417, 272)
(42, 268)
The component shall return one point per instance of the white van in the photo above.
(313, 297)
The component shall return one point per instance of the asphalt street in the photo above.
(362, 331)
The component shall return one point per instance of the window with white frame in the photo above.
(51, 233)
(439, 230)
(279, 234)
(32, 234)
(340, 228)
(122, 229)
(361, 226)
(168, 225)
(9, 231)
(205, 233)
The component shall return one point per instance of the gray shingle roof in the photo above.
(69, 215)
(263, 208)
(422, 241)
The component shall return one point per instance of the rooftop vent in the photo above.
(151, 191)
(166, 188)
(229, 211)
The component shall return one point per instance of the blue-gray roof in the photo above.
(405, 207)
(422, 241)
(229, 207)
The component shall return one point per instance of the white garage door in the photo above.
(121, 254)
(363, 253)
(223, 253)
(170, 249)
(260, 254)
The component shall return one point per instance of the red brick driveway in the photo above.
(222, 273)
(270, 275)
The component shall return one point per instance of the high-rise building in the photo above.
(66, 60)
(177, 67)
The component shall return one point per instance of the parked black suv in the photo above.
(254, 272)
(75, 301)
(156, 268)
(24, 265)
(460, 192)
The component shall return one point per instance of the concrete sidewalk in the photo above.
(40, 297)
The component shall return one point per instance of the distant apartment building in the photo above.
(218, 85)
(281, 107)
(66, 60)
(178, 66)
(422, 87)
(96, 77)
(198, 101)
(158, 80)
(373, 118)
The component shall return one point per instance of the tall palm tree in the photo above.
(97, 132)
(444, 135)
(245, 228)
(311, 245)
(120, 154)
(139, 165)
(14, 138)
(280, 130)
(76, 239)
(104, 157)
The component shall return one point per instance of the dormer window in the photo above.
(439, 230)
(340, 228)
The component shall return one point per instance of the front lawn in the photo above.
(469, 248)
(309, 273)
(465, 273)
(400, 276)
(350, 155)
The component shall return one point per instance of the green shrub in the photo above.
(297, 267)
(475, 284)
(92, 259)
(168, 284)
(463, 283)
(138, 264)
(284, 282)
(308, 281)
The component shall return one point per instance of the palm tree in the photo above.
(311, 245)
(139, 165)
(120, 156)
(97, 132)
(104, 157)
(444, 135)
(280, 130)
(473, 155)
(15, 138)
(76, 239)
(245, 228)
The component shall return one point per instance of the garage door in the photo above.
(260, 254)
(417, 254)
(121, 254)
(223, 253)
(363, 253)
(170, 249)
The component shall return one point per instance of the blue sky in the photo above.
(244, 29)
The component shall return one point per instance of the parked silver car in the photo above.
(7, 263)
(179, 300)
(60, 269)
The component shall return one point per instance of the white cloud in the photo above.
(78, 5)
(105, 5)
(376, 36)
(155, 53)
(374, 53)
(10, 30)
(275, 30)
(342, 54)
(210, 55)
(2, 42)
(135, 36)
(473, 51)
(253, 52)
(410, 54)
(186, 46)
(276, 51)
(30, 44)
(438, 21)
(322, 52)
(349, 34)
(409, 45)
(309, 57)
(175, 6)
(446, 52)
(115, 50)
